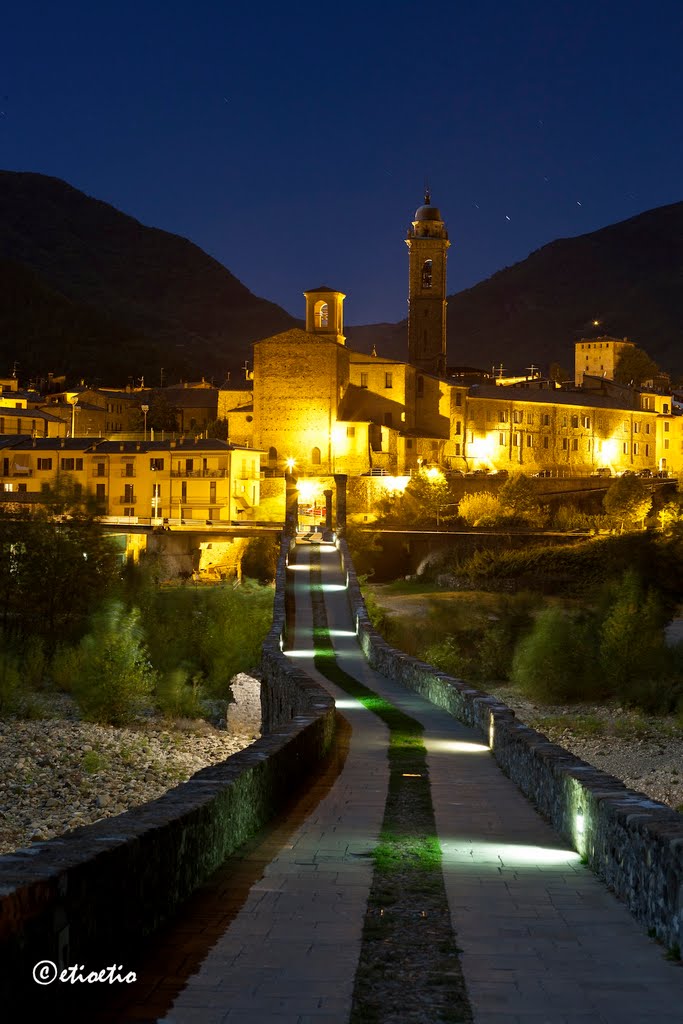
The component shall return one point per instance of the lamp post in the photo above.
(145, 410)
(73, 415)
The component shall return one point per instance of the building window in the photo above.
(427, 274)
(100, 492)
(587, 422)
(315, 456)
(564, 421)
(546, 419)
(515, 439)
(272, 455)
(636, 427)
(69, 465)
(212, 492)
(156, 464)
(350, 431)
(647, 449)
(44, 463)
(322, 314)
(565, 444)
(665, 408)
(363, 380)
(530, 418)
(517, 416)
(21, 488)
(529, 441)
(183, 491)
(99, 468)
(575, 444)
(624, 448)
(635, 448)
(666, 442)
(588, 445)
(458, 398)
(666, 428)
(545, 442)
(501, 438)
(129, 511)
(458, 427)
(575, 422)
(388, 380)
(502, 415)
(647, 428)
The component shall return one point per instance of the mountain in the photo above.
(87, 290)
(629, 276)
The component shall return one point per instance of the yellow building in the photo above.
(145, 481)
(598, 357)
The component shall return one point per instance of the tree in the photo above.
(426, 501)
(519, 502)
(634, 366)
(627, 502)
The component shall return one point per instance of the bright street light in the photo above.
(145, 410)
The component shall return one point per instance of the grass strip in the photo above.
(408, 971)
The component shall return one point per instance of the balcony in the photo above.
(126, 499)
(23, 473)
(213, 473)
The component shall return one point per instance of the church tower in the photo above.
(428, 244)
(325, 313)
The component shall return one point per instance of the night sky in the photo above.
(292, 141)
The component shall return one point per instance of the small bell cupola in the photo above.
(325, 313)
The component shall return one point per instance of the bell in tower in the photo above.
(428, 244)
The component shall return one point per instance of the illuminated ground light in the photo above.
(455, 746)
(298, 568)
(347, 704)
(300, 654)
(332, 586)
(509, 855)
(341, 632)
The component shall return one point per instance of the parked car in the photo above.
(602, 471)
(662, 474)
(645, 473)
(544, 472)
(627, 472)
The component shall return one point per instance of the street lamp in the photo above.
(145, 410)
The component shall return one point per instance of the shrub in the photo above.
(555, 661)
(259, 559)
(483, 509)
(519, 502)
(178, 694)
(11, 686)
(448, 656)
(115, 679)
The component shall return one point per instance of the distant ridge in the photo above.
(629, 276)
(88, 290)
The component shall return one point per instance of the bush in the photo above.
(259, 560)
(483, 509)
(555, 661)
(178, 694)
(115, 678)
(11, 684)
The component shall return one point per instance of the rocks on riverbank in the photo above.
(58, 774)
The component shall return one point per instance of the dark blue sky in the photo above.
(292, 141)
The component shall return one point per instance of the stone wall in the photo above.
(631, 842)
(90, 896)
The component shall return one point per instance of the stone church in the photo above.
(320, 408)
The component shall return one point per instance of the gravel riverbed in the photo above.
(57, 774)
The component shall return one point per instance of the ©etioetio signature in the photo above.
(46, 972)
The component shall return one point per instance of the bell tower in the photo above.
(428, 244)
(325, 313)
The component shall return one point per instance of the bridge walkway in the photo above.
(542, 939)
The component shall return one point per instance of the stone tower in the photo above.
(325, 313)
(428, 244)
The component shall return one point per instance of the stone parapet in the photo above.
(633, 843)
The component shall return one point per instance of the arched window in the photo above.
(322, 314)
(427, 274)
(272, 455)
(315, 457)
